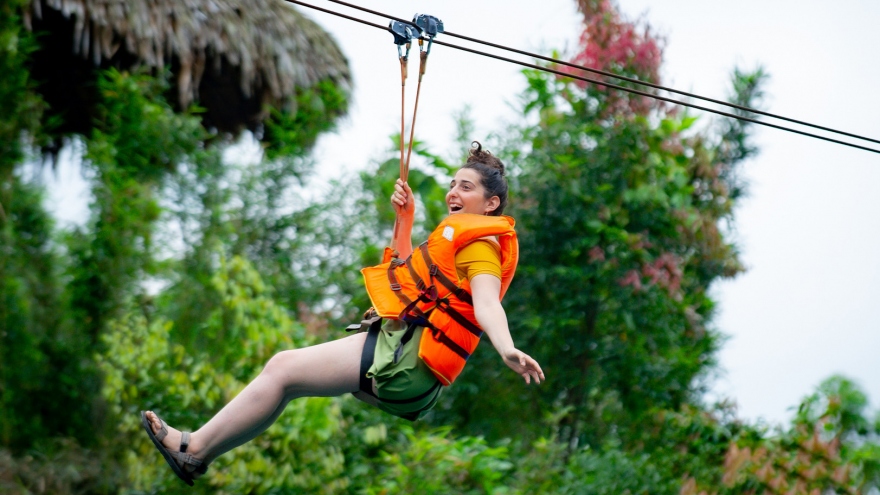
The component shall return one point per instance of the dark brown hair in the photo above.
(491, 172)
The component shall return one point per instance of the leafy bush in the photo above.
(143, 370)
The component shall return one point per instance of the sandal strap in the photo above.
(184, 441)
(183, 464)
(184, 458)
(163, 432)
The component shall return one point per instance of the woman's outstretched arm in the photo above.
(485, 289)
(405, 208)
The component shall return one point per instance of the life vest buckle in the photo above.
(434, 269)
(395, 287)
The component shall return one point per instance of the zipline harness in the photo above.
(422, 27)
(424, 289)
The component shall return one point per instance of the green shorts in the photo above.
(405, 386)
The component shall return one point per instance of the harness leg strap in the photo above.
(366, 383)
(410, 330)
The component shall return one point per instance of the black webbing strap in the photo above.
(407, 336)
(426, 296)
(414, 399)
(367, 356)
(443, 305)
(409, 305)
(427, 293)
(366, 383)
(449, 284)
(410, 331)
(451, 344)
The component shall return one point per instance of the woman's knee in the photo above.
(322, 370)
(279, 365)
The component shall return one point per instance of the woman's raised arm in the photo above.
(405, 208)
(490, 315)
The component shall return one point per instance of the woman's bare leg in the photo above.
(323, 370)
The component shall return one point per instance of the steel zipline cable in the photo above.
(606, 84)
(620, 77)
(657, 97)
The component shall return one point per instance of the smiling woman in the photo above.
(435, 301)
(483, 173)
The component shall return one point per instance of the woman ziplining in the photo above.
(430, 308)
(435, 302)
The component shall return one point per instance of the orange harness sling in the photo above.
(426, 287)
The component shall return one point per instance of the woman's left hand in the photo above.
(524, 365)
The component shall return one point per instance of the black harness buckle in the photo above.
(429, 294)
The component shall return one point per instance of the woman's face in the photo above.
(467, 195)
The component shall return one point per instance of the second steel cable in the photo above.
(623, 78)
(610, 85)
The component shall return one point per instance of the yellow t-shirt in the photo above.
(480, 256)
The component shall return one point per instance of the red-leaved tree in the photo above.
(614, 44)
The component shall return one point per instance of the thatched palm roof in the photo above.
(269, 48)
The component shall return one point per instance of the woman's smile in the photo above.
(467, 195)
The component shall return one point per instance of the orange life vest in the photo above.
(426, 286)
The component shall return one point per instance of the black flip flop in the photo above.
(170, 456)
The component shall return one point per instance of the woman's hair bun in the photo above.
(478, 155)
(491, 172)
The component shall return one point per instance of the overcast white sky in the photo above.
(809, 306)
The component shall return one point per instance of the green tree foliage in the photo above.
(29, 297)
(830, 447)
(145, 369)
(59, 288)
(59, 466)
(29, 290)
(694, 451)
(259, 211)
(438, 462)
(137, 141)
(618, 203)
(20, 107)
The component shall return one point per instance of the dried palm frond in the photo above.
(270, 47)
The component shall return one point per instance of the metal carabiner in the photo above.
(403, 34)
(430, 27)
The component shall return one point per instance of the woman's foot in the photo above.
(176, 447)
